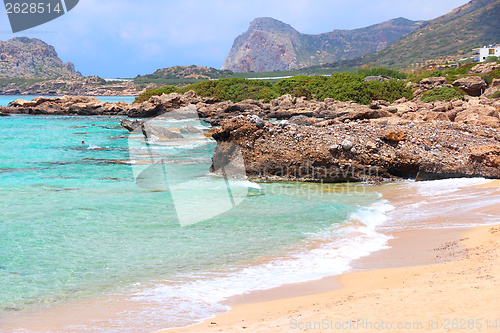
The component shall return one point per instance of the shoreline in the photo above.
(467, 264)
(423, 251)
(419, 249)
(406, 249)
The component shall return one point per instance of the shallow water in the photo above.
(74, 224)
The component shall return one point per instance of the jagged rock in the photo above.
(479, 115)
(487, 155)
(485, 67)
(433, 80)
(472, 85)
(276, 152)
(161, 133)
(395, 136)
(131, 125)
(22, 103)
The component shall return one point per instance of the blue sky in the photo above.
(124, 38)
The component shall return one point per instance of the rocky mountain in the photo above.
(33, 58)
(270, 45)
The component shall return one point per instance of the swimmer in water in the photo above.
(83, 142)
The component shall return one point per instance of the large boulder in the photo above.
(158, 132)
(472, 85)
(131, 125)
(479, 115)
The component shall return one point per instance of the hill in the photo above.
(186, 72)
(270, 45)
(32, 58)
(447, 38)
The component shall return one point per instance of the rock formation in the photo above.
(270, 45)
(369, 151)
(328, 141)
(31, 57)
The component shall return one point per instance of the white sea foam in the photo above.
(448, 203)
(445, 187)
(93, 147)
(327, 253)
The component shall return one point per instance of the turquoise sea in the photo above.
(75, 225)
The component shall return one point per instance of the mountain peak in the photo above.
(31, 57)
(270, 24)
(270, 44)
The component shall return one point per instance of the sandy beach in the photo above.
(444, 280)
(431, 279)
(440, 297)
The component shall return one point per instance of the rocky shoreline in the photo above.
(366, 150)
(88, 86)
(330, 141)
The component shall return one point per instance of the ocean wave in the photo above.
(323, 254)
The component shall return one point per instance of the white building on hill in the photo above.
(487, 51)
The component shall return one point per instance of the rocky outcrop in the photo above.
(31, 57)
(472, 85)
(87, 106)
(472, 110)
(270, 45)
(79, 86)
(159, 133)
(361, 151)
(485, 67)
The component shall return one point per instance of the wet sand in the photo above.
(462, 291)
(430, 280)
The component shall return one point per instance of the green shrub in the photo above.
(233, 89)
(364, 72)
(491, 59)
(495, 95)
(389, 90)
(442, 94)
(488, 77)
(340, 86)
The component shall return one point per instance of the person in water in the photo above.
(83, 142)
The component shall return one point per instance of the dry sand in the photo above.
(445, 297)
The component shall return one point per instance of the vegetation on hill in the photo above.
(452, 74)
(445, 39)
(186, 72)
(340, 86)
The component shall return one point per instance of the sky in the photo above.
(125, 38)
